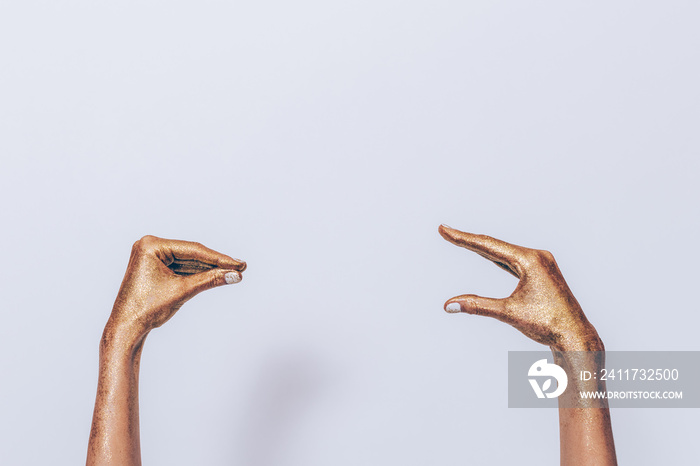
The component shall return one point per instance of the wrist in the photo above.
(583, 351)
(121, 338)
(586, 339)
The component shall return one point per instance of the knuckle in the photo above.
(538, 257)
(147, 242)
(138, 246)
(530, 258)
(148, 239)
(545, 256)
(145, 245)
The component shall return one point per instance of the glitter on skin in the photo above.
(544, 309)
(161, 276)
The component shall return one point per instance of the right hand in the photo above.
(164, 274)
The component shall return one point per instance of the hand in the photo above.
(542, 306)
(161, 276)
(164, 274)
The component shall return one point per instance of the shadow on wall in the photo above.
(286, 387)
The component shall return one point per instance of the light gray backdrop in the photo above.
(324, 142)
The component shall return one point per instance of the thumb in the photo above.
(202, 281)
(472, 304)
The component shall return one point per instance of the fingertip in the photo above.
(241, 265)
(227, 262)
(232, 277)
(448, 233)
(453, 307)
(210, 279)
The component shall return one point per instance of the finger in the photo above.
(194, 257)
(472, 304)
(185, 267)
(213, 278)
(507, 256)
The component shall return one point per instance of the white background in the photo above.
(323, 143)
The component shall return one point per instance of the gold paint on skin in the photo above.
(161, 276)
(543, 308)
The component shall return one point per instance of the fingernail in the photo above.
(453, 307)
(447, 226)
(232, 277)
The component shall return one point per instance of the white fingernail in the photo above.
(233, 277)
(453, 307)
(447, 226)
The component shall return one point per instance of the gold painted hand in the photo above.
(164, 274)
(542, 306)
(161, 276)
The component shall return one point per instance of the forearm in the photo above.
(543, 308)
(585, 431)
(114, 437)
(161, 276)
